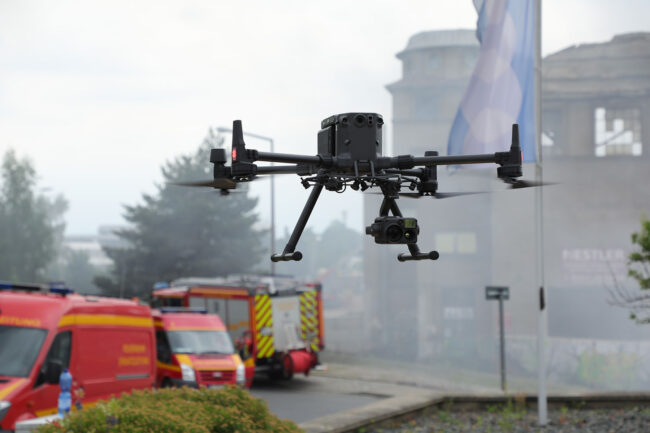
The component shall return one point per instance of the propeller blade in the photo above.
(518, 184)
(437, 195)
(222, 183)
(227, 191)
(214, 183)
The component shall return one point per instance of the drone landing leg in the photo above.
(417, 255)
(414, 250)
(290, 252)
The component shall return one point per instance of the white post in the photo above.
(539, 226)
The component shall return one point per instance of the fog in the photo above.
(99, 95)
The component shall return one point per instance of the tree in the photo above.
(31, 224)
(183, 232)
(337, 243)
(75, 269)
(637, 301)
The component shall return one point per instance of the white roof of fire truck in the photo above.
(255, 284)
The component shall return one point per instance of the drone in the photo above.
(350, 155)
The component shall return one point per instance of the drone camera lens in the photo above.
(359, 119)
(394, 233)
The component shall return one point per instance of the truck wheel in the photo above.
(166, 383)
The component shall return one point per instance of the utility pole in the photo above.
(500, 294)
(542, 319)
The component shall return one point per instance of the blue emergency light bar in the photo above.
(57, 287)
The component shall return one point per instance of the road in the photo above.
(306, 398)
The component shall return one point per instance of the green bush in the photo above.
(227, 410)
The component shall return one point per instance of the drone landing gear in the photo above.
(290, 252)
(389, 204)
(416, 254)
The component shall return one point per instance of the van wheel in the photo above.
(166, 383)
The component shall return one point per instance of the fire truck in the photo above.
(276, 322)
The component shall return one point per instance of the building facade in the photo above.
(596, 147)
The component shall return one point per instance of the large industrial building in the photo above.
(596, 137)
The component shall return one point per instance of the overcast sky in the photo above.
(100, 94)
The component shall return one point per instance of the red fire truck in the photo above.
(107, 344)
(277, 322)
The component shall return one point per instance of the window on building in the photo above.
(466, 243)
(445, 243)
(617, 131)
(456, 242)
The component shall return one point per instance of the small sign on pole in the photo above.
(493, 293)
(500, 293)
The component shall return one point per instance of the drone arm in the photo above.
(509, 162)
(290, 252)
(278, 169)
(455, 159)
(286, 157)
(417, 172)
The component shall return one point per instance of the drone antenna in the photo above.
(510, 161)
(515, 138)
(238, 145)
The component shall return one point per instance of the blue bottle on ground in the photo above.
(65, 399)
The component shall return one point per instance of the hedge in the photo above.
(171, 410)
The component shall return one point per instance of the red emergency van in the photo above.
(195, 349)
(107, 344)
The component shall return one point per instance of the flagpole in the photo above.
(542, 319)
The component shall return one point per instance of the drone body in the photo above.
(350, 154)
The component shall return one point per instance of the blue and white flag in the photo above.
(502, 88)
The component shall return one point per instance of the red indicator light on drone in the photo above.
(521, 156)
(234, 154)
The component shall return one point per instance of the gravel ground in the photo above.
(511, 419)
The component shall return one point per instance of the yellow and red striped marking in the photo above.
(264, 326)
(9, 387)
(309, 319)
(170, 367)
(105, 319)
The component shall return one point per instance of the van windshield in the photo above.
(201, 342)
(20, 347)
